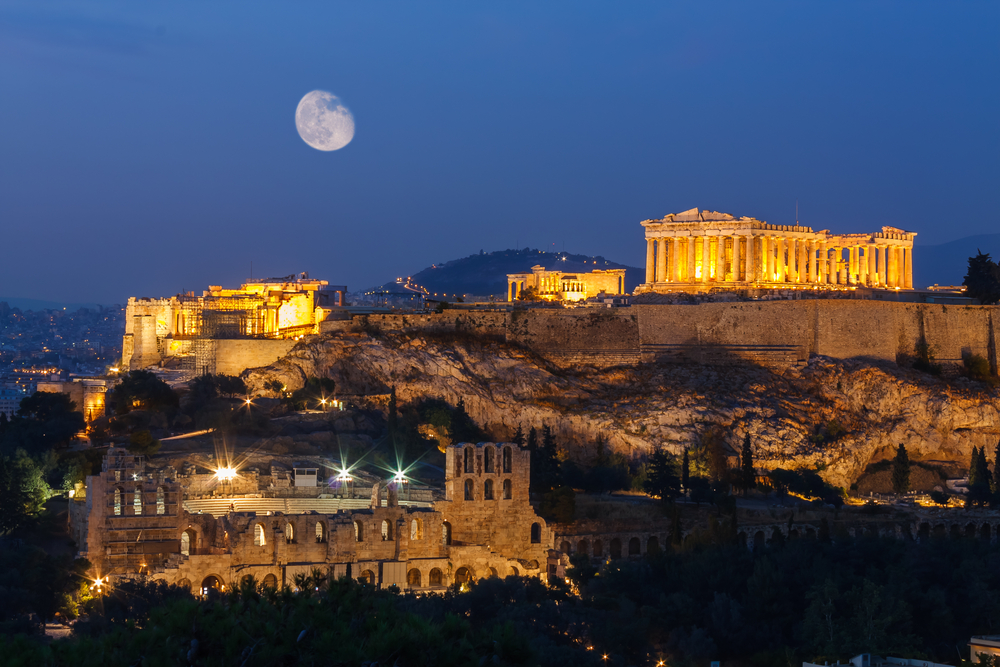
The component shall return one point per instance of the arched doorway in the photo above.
(616, 548)
(367, 577)
(492, 572)
(435, 578)
(211, 583)
(270, 581)
(463, 575)
(185, 584)
(758, 540)
(652, 545)
(536, 533)
(413, 578)
(598, 549)
(633, 547)
(187, 542)
(564, 547)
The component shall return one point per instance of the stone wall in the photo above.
(232, 357)
(759, 332)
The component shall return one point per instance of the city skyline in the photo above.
(151, 149)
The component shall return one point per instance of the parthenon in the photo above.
(704, 250)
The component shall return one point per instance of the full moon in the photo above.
(323, 121)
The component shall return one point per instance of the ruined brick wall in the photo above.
(232, 357)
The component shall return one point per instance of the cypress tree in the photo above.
(973, 468)
(996, 469)
(985, 478)
(393, 424)
(901, 471)
(518, 436)
(747, 473)
(686, 469)
(532, 442)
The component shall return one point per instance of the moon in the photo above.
(323, 121)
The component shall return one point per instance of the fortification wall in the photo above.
(762, 332)
(232, 357)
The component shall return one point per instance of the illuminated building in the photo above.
(697, 251)
(566, 286)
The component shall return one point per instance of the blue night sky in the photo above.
(149, 147)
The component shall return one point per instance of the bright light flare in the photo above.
(226, 474)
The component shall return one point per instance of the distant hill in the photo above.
(486, 273)
(947, 263)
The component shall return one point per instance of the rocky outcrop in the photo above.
(786, 412)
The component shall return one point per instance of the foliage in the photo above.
(980, 479)
(925, 359)
(142, 390)
(978, 368)
(441, 307)
(982, 280)
(559, 505)
(939, 497)
(308, 396)
(546, 473)
(35, 583)
(44, 420)
(23, 491)
(143, 443)
(748, 474)
(806, 483)
(662, 480)
(901, 471)
(529, 294)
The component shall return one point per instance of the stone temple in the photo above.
(699, 251)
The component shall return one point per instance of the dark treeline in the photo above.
(816, 600)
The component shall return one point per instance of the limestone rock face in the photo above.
(788, 413)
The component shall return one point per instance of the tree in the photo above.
(529, 294)
(532, 442)
(545, 470)
(44, 420)
(142, 390)
(309, 395)
(518, 438)
(979, 478)
(996, 468)
(143, 443)
(392, 421)
(661, 476)
(23, 491)
(982, 281)
(901, 471)
(463, 427)
(686, 471)
(748, 475)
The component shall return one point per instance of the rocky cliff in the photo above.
(788, 413)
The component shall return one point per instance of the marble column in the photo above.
(650, 260)
(750, 274)
(780, 267)
(835, 265)
(908, 267)
(661, 260)
(852, 265)
(862, 268)
(803, 261)
(706, 258)
(870, 257)
(813, 278)
(767, 257)
(675, 264)
(736, 264)
(691, 263)
(793, 266)
(893, 266)
(823, 264)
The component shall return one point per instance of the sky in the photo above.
(150, 147)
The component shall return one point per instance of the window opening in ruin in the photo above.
(493, 573)
(137, 501)
(463, 576)
(616, 548)
(508, 456)
(582, 547)
(161, 504)
(211, 582)
(416, 529)
(289, 533)
(488, 490)
(598, 549)
(652, 545)
(469, 456)
(386, 531)
(507, 489)
(413, 578)
(435, 578)
(468, 489)
(270, 581)
(248, 581)
(446, 533)
(514, 571)
(564, 547)
(359, 531)
(118, 502)
(118, 475)
(258, 535)
(488, 459)
(186, 543)
(367, 577)
(536, 533)
(320, 532)
(184, 583)
(633, 546)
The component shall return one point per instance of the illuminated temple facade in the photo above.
(698, 251)
(564, 286)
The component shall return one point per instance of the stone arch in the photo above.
(508, 489)
(532, 565)
(986, 531)
(634, 547)
(488, 490)
(469, 455)
(413, 578)
(508, 459)
(359, 531)
(446, 532)
(416, 529)
(435, 578)
(536, 533)
(212, 582)
(598, 549)
(289, 533)
(469, 491)
(463, 575)
(320, 532)
(270, 581)
(247, 580)
(366, 577)
(259, 538)
(386, 531)
(137, 501)
(582, 547)
(489, 459)
(189, 541)
(939, 531)
(564, 547)
(514, 572)
(185, 584)
(119, 494)
(616, 548)
(161, 501)
(492, 573)
(652, 545)
(970, 530)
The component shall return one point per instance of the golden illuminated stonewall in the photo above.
(566, 286)
(704, 250)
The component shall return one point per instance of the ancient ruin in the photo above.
(705, 250)
(562, 286)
